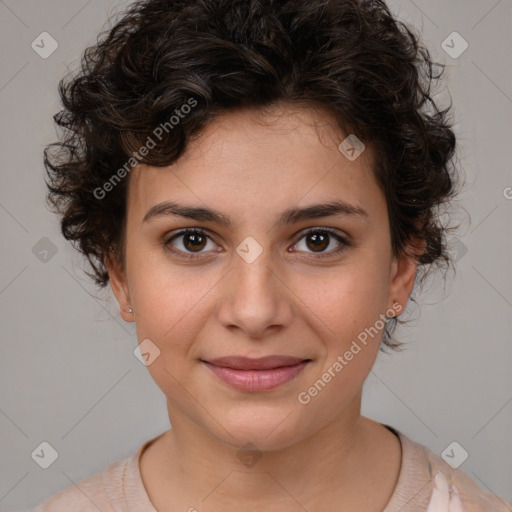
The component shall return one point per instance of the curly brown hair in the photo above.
(351, 57)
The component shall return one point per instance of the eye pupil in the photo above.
(197, 243)
(319, 241)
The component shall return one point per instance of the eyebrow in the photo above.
(290, 216)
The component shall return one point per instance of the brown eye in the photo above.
(194, 241)
(318, 240)
(188, 243)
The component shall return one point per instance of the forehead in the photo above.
(260, 159)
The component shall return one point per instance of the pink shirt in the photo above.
(119, 487)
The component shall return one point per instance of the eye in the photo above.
(193, 240)
(319, 239)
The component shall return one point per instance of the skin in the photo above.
(251, 166)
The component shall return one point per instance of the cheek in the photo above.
(347, 299)
(170, 312)
(167, 300)
(350, 304)
(347, 307)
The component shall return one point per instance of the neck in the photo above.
(195, 468)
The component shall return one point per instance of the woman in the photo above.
(258, 182)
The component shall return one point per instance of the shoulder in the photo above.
(421, 465)
(100, 491)
(473, 497)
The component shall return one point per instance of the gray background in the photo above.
(68, 375)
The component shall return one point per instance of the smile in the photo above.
(253, 375)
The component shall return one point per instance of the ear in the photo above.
(119, 285)
(403, 274)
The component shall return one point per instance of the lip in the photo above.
(248, 374)
(260, 363)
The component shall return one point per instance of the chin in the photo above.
(265, 431)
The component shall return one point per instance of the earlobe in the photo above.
(119, 285)
(403, 277)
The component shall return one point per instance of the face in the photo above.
(271, 272)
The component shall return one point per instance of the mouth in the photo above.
(248, 374)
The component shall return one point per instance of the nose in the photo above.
(255, 299)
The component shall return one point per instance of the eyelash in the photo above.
(344, 243)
